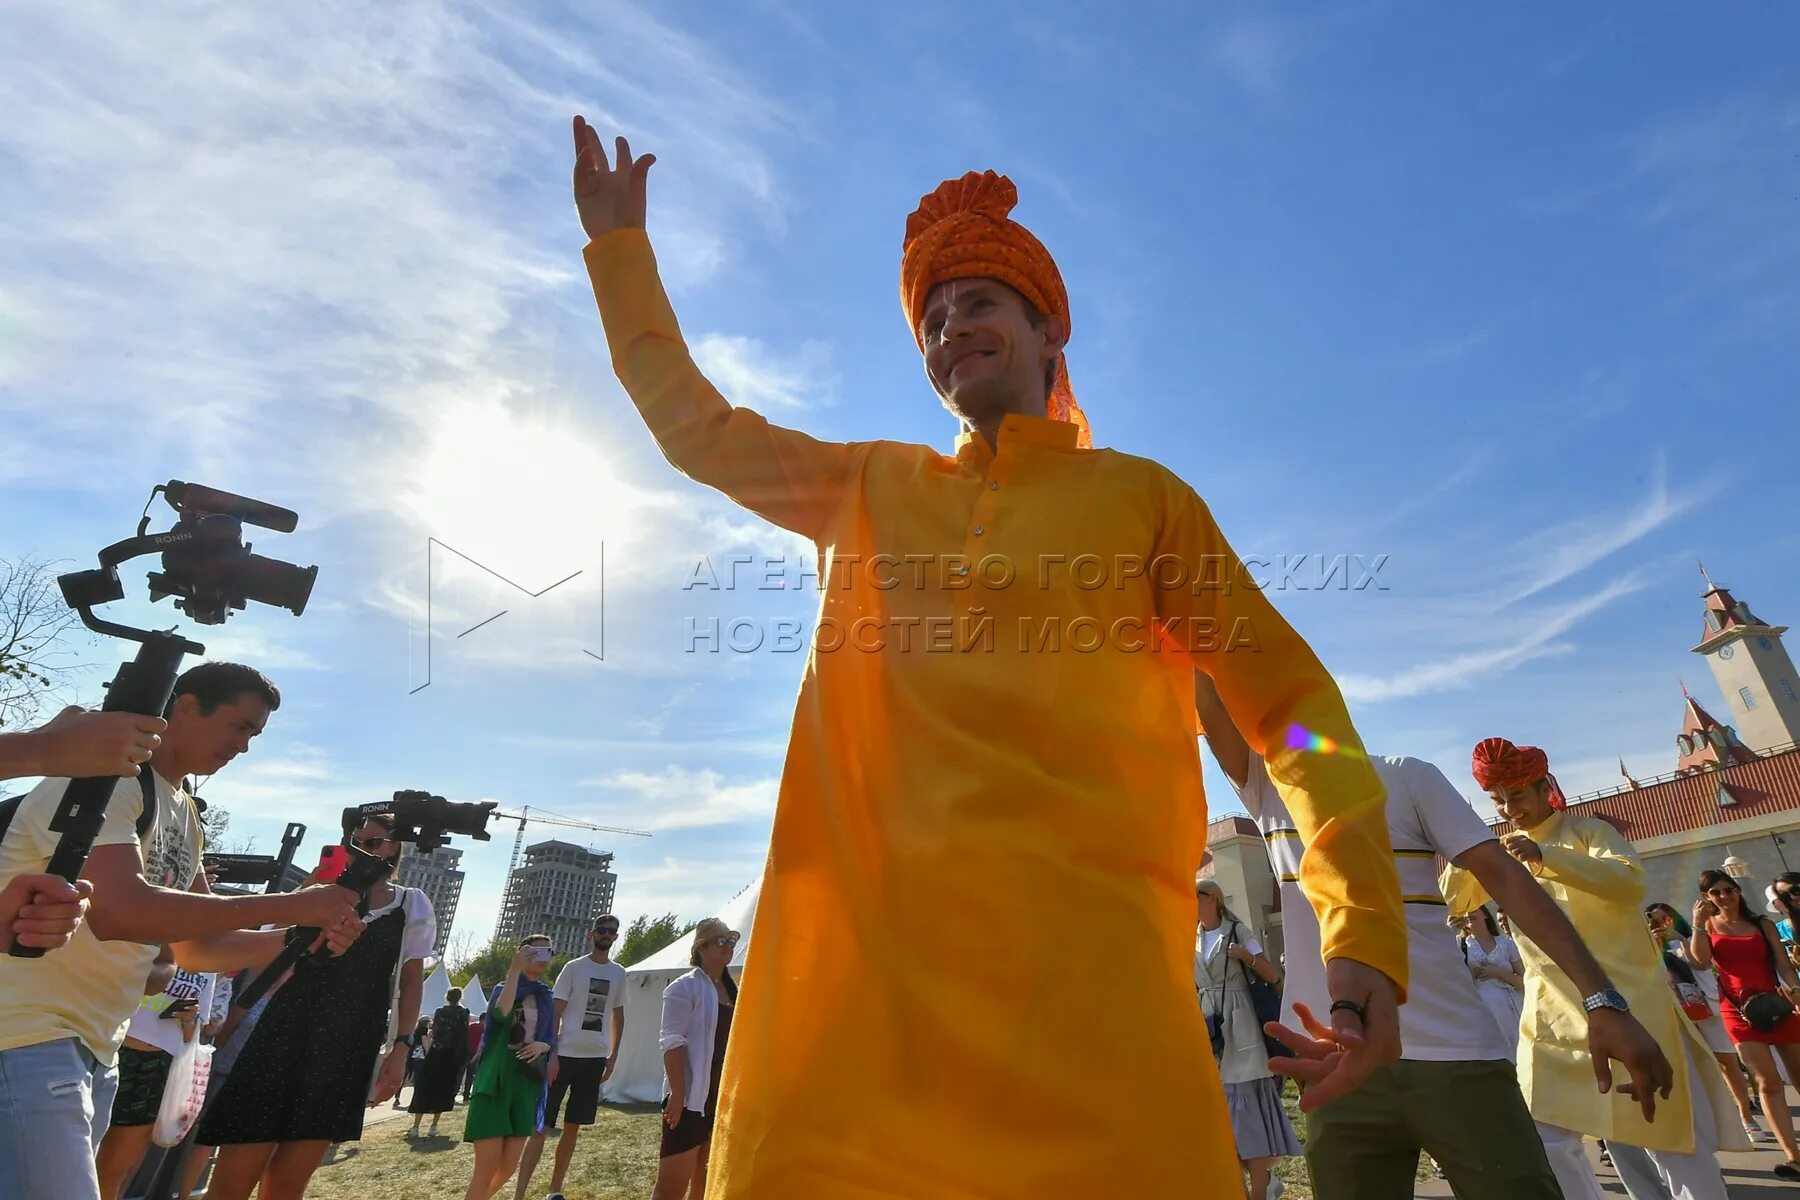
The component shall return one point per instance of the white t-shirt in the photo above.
(591, 990)
(89, 989)
(1426, 818)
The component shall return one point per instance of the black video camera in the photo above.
(206, 563)
(426, 820)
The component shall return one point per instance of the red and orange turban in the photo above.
(1498, 764)
(963, 231)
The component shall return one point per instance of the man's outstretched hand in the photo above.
(608, 198)
(1334, 1059)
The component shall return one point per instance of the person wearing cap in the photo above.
(995, 732)
(1367, 1144)
(697, 1013)
(593, 987)
(1590, 870)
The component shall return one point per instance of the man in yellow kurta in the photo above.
(1589, 869)
(993, 760)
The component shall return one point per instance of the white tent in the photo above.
(474, 999)
(437, 984)
(638, 1076)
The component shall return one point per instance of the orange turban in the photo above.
(962, 231)
(1497, 763)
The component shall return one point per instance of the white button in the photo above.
(993, 487)
(962, 570)
(979, 530)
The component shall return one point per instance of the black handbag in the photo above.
(1765, 1011)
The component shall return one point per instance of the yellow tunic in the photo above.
(1590, 871)
(966, 812)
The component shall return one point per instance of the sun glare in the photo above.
(532, 498)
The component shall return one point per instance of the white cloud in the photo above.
(1556, 553)
(679, 798)
(750, 374)
(1465, 669)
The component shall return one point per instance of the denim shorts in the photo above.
(55, 1103)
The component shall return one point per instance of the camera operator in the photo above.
(44, 910)
(63, 1016)
(302, 1081)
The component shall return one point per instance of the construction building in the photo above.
(558, 889)
(439, 875)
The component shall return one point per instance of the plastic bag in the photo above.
(184, 1093)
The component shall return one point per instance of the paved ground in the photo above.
(1747, 1176)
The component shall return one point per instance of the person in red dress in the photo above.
(1744, 950)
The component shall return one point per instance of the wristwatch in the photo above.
(1606, 998)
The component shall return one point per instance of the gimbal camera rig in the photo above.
(421, 818)
(209, 569)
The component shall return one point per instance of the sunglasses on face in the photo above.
(721, 940)
(369, 845)
(1721, 891)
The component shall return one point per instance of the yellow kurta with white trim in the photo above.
(985, 776)
(1589, 869)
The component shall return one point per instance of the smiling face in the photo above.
(1526, 806)
(987, 352)
(1726, 895)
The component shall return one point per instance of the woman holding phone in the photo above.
(507, 1105)
(335, 1031)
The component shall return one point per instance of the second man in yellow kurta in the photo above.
(1589, 869)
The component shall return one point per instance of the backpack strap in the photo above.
(9, 808)
(146, 784)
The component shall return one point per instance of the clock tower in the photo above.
(1753, 670)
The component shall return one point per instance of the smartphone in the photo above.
(539, 954)
(332, 862)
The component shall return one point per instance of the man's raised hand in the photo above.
(608, 197)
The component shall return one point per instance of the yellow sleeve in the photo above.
(1284, 701)
(1601, 864)
(1463, 892)
(780, 474)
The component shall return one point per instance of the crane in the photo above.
(542, 818)
(525, 815)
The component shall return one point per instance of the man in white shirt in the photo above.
(1453, 1093)
(586, 990)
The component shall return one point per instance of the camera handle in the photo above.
(363, 873)
(142, 685)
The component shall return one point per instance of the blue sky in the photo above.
(1507, 296)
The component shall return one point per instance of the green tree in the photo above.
(490, 962)
(646, 935)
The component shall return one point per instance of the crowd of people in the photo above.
(1492, 1020)
(955, 812)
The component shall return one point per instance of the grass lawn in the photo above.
(616, 1160)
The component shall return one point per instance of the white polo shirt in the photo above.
(1427, 818)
